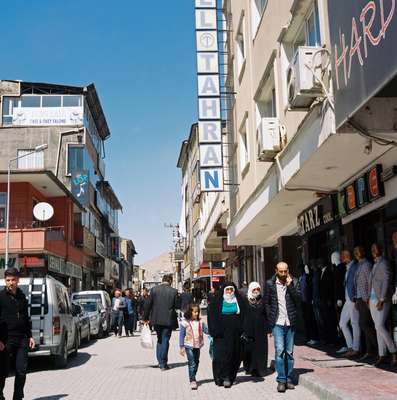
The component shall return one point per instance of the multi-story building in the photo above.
(310, 130)
(68, 173)
(203, 221)
(128, 270)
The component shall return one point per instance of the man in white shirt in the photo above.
(282, 297)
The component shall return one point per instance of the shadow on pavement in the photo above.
(78, 360)
(54, 397)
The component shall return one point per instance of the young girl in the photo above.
(191, 339)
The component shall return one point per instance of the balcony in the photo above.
(41, 240)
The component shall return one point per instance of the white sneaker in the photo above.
(312, 342)
(193, 385)
(342, 350)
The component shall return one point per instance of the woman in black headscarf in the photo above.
(255, 333)
(225, 323)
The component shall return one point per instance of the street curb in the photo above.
(322, 391)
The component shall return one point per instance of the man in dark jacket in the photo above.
(14, 312)
(162, 311)
(282, 297)
(186, 297)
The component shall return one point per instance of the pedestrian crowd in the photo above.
(238, 325)
(347, 303)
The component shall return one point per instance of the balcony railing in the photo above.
(41, 239)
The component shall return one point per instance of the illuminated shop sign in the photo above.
(365, 189)
(209, 97)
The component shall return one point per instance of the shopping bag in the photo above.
(146, 337)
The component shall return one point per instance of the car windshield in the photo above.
(89, 307)
(78, 297)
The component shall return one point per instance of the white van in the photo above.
(103, 298)
(53, 326)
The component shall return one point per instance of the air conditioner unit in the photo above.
(269, 139)
(302, 85)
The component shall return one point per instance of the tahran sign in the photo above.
(209, 97)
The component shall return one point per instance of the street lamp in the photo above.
(35, 150)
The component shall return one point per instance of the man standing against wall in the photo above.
(14, 312)
(162, 311)
(282, 298)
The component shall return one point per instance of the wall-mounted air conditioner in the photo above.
(269, 139)
(302, 85)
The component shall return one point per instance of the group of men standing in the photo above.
(355, 296)
(127, 308)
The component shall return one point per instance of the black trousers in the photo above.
(367, 326)
(15, 356)
(310, 322)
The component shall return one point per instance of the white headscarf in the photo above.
(251, 288)
(335, 258)
(231, 298)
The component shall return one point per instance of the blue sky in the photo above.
(141, 57)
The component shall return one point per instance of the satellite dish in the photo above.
(43, 211)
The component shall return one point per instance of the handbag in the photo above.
(146, 337)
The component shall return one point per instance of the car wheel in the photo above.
(89, 334)
(101, 333)
(61, 360)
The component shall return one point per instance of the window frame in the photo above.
(244, 147)
(3, 206)
(241, 52)
(26, 157)
(313, 10)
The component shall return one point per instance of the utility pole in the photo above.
(178, 248)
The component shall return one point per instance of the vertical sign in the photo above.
(209, 97)
(80, 187)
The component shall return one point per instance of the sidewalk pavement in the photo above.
(112, 368)
(333, 378)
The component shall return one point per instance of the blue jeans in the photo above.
(163, 344)
(284, 352)
(117, 322)
(193, 360)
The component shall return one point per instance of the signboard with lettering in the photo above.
(318, 215)
(47, 116)
(80, 186)
(367, 188)
(363, 37)
(209, 97)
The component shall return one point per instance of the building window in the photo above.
(51, 101)
(34, 160)
(257, 9)
(309, 33)
(243, 145)
(3, 209)
(241, 48)
(75, 158)
(30, 101)
(72, 101)
(265, 101)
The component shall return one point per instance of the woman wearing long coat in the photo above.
(225, 323)
(255, 349)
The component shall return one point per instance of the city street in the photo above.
(115, 368)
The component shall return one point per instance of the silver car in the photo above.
(97, 316)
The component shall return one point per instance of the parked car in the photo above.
(97, 316)
(82, 321)
(53, 326)
(106, 305)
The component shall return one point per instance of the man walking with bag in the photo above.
(282, 297)
(162, 311)
(14, 312)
